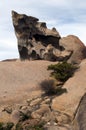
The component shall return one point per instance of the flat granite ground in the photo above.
(19, 80)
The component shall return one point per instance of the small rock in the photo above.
(63, 119)
(46, 97)
(48, 123)
(35, 115)
(15, 116)
(29, 100)
(30, 108)
(24, 107)
(4, 117)
(43, 112)
(58, 127)
(8, 110)
(52, 128)
(46, 101)
(55, 123)
(35, 102)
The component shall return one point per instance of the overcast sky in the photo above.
(68, 16)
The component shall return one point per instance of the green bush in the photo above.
(62, 71)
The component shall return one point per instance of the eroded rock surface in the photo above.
(35, 41)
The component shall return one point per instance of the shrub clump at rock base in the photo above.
(62, 71)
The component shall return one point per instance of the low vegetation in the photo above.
(18, 127)
(62, 71)
(48, 86)
(38, 126)
(51, 87)
(6, 126)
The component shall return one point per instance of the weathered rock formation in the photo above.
(23, 101)
(36, 41)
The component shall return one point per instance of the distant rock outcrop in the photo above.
(36, 41)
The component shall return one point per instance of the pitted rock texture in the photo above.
(35, 41)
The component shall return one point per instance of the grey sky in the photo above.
(68, 16)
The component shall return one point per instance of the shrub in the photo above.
(18, 126)
(48, 85)
(6, 126)
(23, 116)
(51, 86)
(39, 126)
(1, 125)
(62, 71)
(9, 125)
